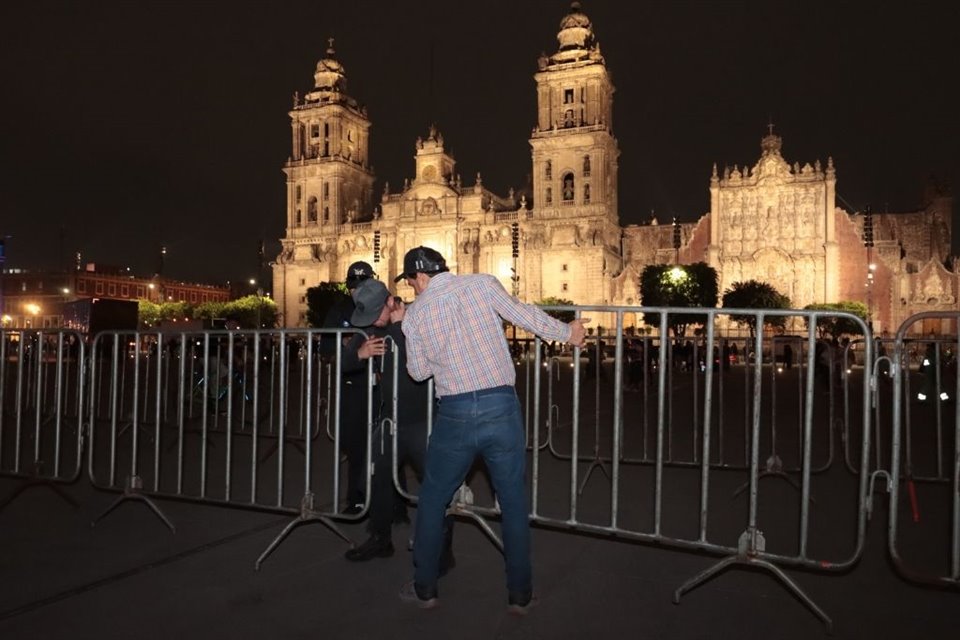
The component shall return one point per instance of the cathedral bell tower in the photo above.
(574, 151)
(571, 246)
(329, 180)
(329, 187)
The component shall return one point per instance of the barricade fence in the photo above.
(924, 525)
(711, 443)
(231, 418)
(41, 408)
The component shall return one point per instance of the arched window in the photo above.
(326, 214)
(586, 166)
(586, 193)
(299, 194)
(299, 218)
(326, 190)
(548, 170)
(548, 196)
(312, 210)
(568, 118)
(568, 189)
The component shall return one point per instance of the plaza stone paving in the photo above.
(130, 577)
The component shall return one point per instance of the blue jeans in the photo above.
(486, 423)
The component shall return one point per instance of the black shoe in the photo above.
(353, 509)
(374, 547)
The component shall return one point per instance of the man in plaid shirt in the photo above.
(455, 333)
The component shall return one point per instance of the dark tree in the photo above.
(692, 285)
(551, 301)
(321, 298)
(753, 294)
(835, 327)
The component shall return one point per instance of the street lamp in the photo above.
(253, 283)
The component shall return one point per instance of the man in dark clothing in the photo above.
(380, 315)
(353, 393)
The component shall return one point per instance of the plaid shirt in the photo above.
(455, 333)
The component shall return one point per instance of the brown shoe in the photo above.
(409, 595)
(521, 606)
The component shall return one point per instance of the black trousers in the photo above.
(385, 501)
(353, 436)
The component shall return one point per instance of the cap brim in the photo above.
(364, 318)
(402, 276)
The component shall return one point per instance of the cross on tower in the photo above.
(770, 127)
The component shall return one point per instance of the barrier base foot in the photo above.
(724, 564)
(775, 474)
(307, 514)
(132, 492)
(484, 526)
(38, 483)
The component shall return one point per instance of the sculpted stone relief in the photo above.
(773, 215)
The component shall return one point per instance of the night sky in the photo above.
(131, 125)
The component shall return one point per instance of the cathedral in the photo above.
(773, 221)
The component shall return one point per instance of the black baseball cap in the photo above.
(358, 272)
(422, 260)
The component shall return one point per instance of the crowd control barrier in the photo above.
(646, 503)
(229, 418)
(42, 375)
(925, 457)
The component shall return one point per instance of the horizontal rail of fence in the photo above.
(42, 375)
(922, 429)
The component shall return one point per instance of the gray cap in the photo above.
(369, 297)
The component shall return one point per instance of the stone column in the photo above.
(830, 245)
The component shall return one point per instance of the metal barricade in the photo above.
(646, 503)
(219, 417)
(42, 375)
(925, 456)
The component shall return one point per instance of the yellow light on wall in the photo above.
(32, 308)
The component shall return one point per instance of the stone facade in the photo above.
(772, 221)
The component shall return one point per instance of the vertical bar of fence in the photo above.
(617, 421)
(228, 465)
(157, 413)
(575, 433)
(185, 396)
(755, 428)
(955, 547)
(58, 405)
(114, 409)
(696, 394)
(535, 462)
(337, 378)
(204, 410)
(661, 402)
(38, 399)
(134, 426)
(707, 402)
(805, 461)
(937, 402)
(255, 417)
(308, 452)
(646, 397)
(282, 419)
(18, 404)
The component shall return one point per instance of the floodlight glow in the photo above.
(32, 308)
(677, 274)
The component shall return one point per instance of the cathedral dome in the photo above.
(575, 29)
(330, 74)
